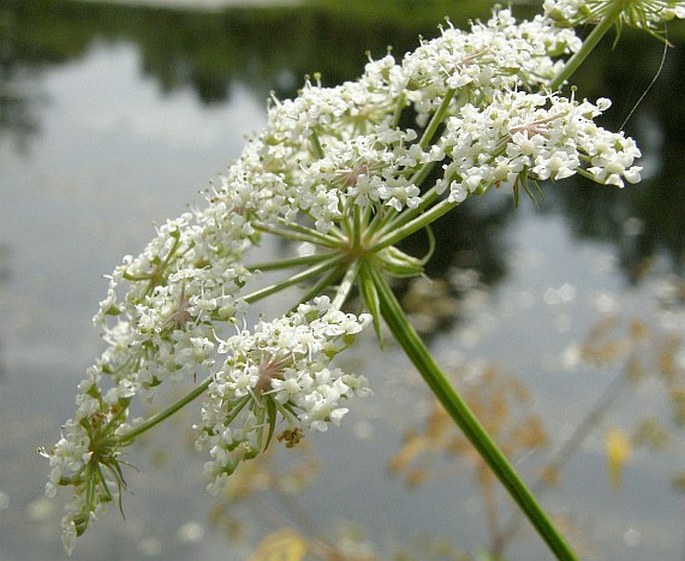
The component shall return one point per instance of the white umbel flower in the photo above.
(536, 136)
(281, 369)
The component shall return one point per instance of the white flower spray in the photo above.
(333, 168)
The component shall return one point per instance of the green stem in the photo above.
(418, 353)
(427, 199)
(296, 232)
(614, 391)
(384, 215)
(157, 418)
(357, 228)
(399, 107)
(436, 121)
(346, 284)
(288, 263)
(236, 409)
(295, 279)
(589, 44)
(319, 287)
(420, 222)
(316, 144)
(422, 173)
(297, 227)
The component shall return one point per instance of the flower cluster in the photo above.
(338, 169)
(528, 135)
(645, 14)
(282, 368)
(499, 55)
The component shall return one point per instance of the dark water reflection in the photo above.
(516, 287)
(272, 49)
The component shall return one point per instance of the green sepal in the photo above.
(347, 340)
(154, 382)
(287, 410)
(64, 481)
(252, 453)
(115, 468)
(528, 184)
(271, 413)
(94, 392)
(81, 523)
(124, 402)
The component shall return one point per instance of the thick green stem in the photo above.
(588, 45)
(417, 352)
(603, 406)
(422, 173)
(157, 418)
